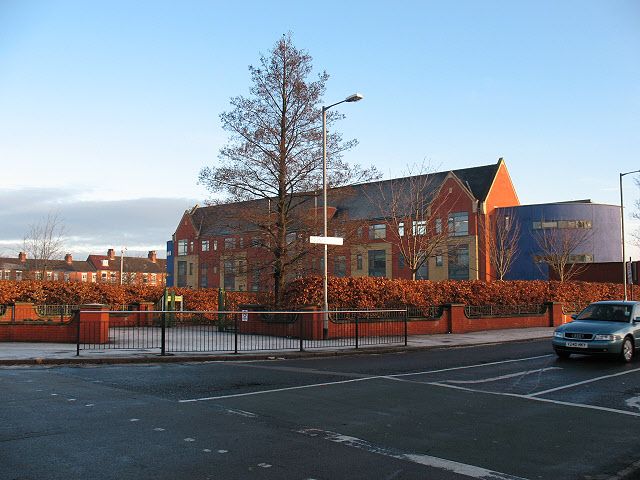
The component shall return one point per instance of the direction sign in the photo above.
(326, 240)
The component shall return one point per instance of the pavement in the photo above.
(23, 353)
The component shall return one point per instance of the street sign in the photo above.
(326, 240)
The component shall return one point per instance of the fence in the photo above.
(240, 331)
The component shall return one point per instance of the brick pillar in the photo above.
(556, 317)
(144, 319)
(457, 318)
(312, 323)
(94, 323)
(24, 311)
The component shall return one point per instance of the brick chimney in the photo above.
(152, 256)
(111, 253)
(68, 258)
(22, 257)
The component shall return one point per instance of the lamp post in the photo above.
(325, 285)
(624, 263)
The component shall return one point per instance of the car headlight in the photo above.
(558, 334)
(605, 337)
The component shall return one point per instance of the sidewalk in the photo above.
(65, 353)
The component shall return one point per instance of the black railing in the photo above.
(240, 331)
(474, 311)
(55, 310)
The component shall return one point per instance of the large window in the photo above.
(229, 243)
(182, 247)
(423, 272)
(205, 245)
(379, 230)
(359, 261)
(377, 263)
(419, 227)
(182, 274)
(229, 275)
(459, 262)
(458, 224)
(340, 266)
(543, 224)
(204, 279)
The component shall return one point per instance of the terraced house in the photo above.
(217, 246)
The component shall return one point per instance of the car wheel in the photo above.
(626, 354)
(562, 355)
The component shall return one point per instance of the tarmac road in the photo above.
(493, 412)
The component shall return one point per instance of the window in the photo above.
(49, 275)
(38, 275)
(401, 229)
(459, 262)
(55, 276)
(182, 247)
(419, 227)
(94, 277)
(439, 260)
(459, 224)
(291, 237)
(543, 224)
(340, 266)
(191, 269)
(67, 276)
(379, 230)
(581, 258)
(113, 277)
(105, 263)
(145, 278)
(154, 278)
(191, 246)
(257, 242)
(205, 245)
(438, 225)
(241, 242)
(400, 261)
(18, 275)
(204, 280)
(359, 232)
(229, 275)
(359, 261)
(255, 280)
(423, 272)
(169, 253)
(7, 274)
(229, 243)
(215, 244)
(84, 277)
(182, 274)
(377, 263)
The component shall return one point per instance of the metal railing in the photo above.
(430, 311)
(243, 331)
(475, 311)
(55, 310)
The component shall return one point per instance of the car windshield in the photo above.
(606, 313)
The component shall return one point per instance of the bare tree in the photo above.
(560, 243)
(502, 233)
(415, 225)
(275, 153)
(44, 242)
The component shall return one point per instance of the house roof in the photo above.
(130, 264)
(359, 202)
(51, 265)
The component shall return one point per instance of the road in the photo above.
(509, 411)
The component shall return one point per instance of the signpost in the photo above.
(326, 240)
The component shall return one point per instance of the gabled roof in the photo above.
(130, 264)
(360, 201)
(51, 265)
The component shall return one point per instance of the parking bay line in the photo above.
(427, 460)
(374, 377)
(603, 377)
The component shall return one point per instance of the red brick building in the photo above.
(96, 268)
(212, 248)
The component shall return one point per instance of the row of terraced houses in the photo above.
(108, 268)
(211, 250)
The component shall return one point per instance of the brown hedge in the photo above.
(365, 292)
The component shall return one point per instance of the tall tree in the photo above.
(560, 243)
(415, 224)
(503, 239)
(44, 242)
(274, 153)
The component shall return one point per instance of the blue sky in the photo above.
(112, 107)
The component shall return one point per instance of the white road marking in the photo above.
(427, 460)
(89, 405)
(189, 439)
(206, 450)
(633, 402)
(391, 377)
(54, 394)
(529, 397)
(134, 419)
(223, 451)
(158, 429)
(242, 413)
(71, 399)
(503, 377)
(260, 392)
(264, 465)
(584, 382)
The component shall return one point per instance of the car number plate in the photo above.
(577, 344)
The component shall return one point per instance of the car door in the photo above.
(635, 325)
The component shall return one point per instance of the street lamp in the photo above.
(122, 252)
(351, 98)
(624, 263)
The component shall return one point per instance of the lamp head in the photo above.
(354, 98)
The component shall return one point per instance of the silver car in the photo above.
(609, 328)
